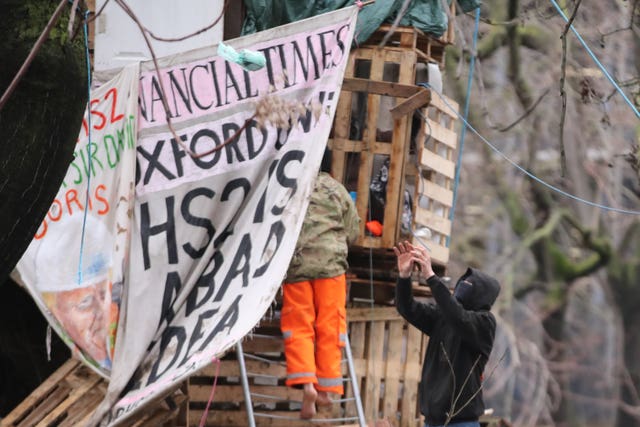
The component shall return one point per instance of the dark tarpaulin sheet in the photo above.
(426, 15)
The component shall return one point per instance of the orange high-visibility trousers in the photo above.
(314, 326)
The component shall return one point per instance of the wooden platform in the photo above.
(69, 396)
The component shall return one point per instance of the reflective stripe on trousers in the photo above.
(313, 323)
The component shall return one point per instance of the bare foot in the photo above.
(309, 396)
(324, 399)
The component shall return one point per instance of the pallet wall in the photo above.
(387, 355)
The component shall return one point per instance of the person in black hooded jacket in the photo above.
(461, 330)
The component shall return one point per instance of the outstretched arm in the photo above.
(420, 315)
(476, 328)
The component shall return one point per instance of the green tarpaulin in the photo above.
(426, 15)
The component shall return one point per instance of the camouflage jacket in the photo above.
(330, 225)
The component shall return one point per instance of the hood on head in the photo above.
(484, 292)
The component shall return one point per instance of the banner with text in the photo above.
(213, 234)
(76, 264)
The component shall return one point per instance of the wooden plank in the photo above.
(441, 133)
(338, 164)
(411, 104)
(408, 40)
(84, 408)
(231, 368)
(372, 314)
(234, 393)
(434, 162)
(418, 290)
(354, 146)
(363, 53)
(451, 109)
(239, 418)
(407, 60)
(393, 369)
(398, 56)
(383, 148)
(375, 366)
(342, 125)
(395, 188)
(345, 144)
(437, 193)
(400, 148)
(369, 139)
(411, 378)
(76, 394)
(263, 345)
(369, 241)
(433, 221)
(59, 394)
(379, 87)
(39, 393)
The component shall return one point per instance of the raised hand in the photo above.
(407, 255)
(424, 261)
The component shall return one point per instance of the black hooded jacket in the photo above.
(460, 339)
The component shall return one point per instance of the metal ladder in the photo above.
(251, 415)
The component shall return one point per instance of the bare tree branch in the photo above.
(526, 113)
(563, 93)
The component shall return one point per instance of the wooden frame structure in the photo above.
(376, 122)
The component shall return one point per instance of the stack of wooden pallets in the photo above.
(383, 116)
(387, 354)
(69, 396)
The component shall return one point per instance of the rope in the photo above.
(526, 172)
(463, 133)
(86, 202)
(596, 60)
(203, 419)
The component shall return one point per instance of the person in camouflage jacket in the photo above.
(313, 317)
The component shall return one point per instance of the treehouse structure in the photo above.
(386, 126)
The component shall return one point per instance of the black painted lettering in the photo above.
(270, 248)
(168, 227)
(197, 221)
(239, 266)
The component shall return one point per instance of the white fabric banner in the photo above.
(211, 235)
(74, 267)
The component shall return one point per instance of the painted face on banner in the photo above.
(79, 298)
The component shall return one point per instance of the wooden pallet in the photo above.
(427, 48)
(387, 355)
(70, 395)
(375, 122)
(355, 157)
(271, 397)
(435, 175)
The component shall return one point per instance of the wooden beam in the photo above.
(377, 87)
(411, 104)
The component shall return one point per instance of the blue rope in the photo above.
(595, 59)
(463, 133)
(526, 172)
(86, 204)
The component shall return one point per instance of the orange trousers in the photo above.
(313, 323)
